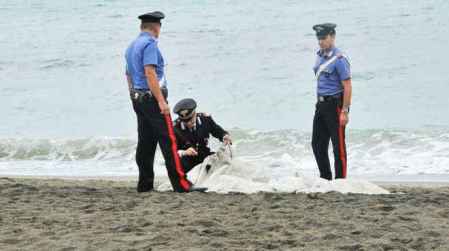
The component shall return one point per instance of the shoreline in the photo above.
(409, 180)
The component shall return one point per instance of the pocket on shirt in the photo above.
(330, 73)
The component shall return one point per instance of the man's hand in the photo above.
(344, 118)
(227, 139)
(190, 152)
(165, 109)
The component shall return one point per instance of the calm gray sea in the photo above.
(248, 63)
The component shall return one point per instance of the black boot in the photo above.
(197, 189)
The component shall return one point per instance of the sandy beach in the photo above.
(56, 214)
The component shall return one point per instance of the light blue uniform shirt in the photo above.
(144, 51)
(329, 81)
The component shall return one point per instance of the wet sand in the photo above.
(55, 214)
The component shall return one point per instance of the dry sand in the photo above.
(52, 214)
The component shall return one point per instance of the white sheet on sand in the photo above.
(228, 174)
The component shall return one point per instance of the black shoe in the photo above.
(144, 186)
(197, 189)
(144, 189)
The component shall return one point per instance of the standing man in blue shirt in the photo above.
(334, 88)
(148, 89)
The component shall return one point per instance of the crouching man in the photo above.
(193, 131)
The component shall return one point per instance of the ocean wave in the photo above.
(66, 149)
(361, 143)
(275, 154)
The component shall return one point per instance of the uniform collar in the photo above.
(326, 53)
(197, 122)
(147, 34)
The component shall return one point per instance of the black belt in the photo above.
(329, 98)
(139, 94)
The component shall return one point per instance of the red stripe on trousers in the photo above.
(179, 169)
(341, 143)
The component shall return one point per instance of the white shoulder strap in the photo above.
(325, 65)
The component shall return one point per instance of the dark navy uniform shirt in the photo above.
(198, 137)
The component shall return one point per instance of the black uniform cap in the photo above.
(322, 30)
(152, 17)
(185, 108)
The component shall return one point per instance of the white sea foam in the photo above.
(277, 156)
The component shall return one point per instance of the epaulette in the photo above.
(341, 55)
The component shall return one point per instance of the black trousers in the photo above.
(155, 128)
(189, 162)
(326, 127)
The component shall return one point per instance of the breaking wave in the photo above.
(423, 151)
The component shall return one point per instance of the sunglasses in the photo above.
(321, 37)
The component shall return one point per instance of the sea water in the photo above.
(65, 110)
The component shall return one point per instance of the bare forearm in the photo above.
(153, 83)
(347, 93)
(130, 82)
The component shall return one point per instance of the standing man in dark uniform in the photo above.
(148, 90)
(192, 131)
(334, 88)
